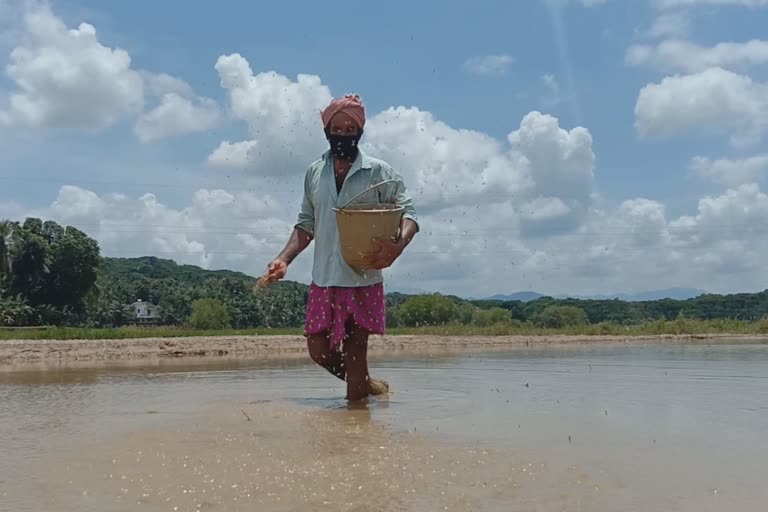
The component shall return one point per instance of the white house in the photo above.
(145, 311)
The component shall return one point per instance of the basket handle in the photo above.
(371, 188)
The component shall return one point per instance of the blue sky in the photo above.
(472, 66)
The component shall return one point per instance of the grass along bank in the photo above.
(659, 327)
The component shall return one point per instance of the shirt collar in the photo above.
(363, 161)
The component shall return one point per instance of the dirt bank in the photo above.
(53, 352)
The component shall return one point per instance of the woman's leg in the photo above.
(321, 353)
(356, 362)
(351, 365)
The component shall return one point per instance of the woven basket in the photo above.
(360, 224)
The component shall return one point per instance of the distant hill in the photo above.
(668, 293)
(521, 296)
(150, 267)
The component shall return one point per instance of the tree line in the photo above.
(56, 275)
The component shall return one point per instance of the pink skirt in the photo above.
(329, 310)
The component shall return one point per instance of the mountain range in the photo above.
(668, 293)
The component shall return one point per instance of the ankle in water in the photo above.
(378, 387)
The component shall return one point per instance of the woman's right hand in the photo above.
(276, 270)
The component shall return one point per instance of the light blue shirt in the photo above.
(319, 220)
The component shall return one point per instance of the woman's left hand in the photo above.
(388, 252)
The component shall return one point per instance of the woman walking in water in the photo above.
(345, 305)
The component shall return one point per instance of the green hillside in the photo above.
(175, 287)
(151, 267)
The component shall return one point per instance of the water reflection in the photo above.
(689, 418)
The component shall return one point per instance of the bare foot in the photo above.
(378, 387)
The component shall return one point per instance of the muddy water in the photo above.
(586, 428)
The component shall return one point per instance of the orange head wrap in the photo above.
(350, 104)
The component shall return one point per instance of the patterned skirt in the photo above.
(330, 309)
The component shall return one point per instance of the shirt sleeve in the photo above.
(403, 197)
(306, 218)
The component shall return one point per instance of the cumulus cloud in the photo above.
(714, 101)
(177, 115)
(738, 215)
(637, 242)
(282, 115)
(232, 154)
(446, 167)
(676, 55)
(218, 228)
(731, 172)
(66, 78)
(488, 64)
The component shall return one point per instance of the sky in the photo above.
(564, 146)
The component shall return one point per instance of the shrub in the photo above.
(208, 314)
(557, 317)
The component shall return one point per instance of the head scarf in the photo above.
(350, 104)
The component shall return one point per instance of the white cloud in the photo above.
(177, 115)
(646, 221)
(560, 162)
(738, 215)
(283, 117)
(637, 246)
(671, 24)
(216, 229)
(489, 64)
(66, 78)
(446, 167)
(713, 101)
(158, 84)
(232, 154)
(731, 172)
(633, 246)
(675, 55)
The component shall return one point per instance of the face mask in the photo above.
(344, 146)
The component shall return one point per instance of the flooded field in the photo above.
(599, 428)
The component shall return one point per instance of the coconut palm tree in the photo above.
(6, 229)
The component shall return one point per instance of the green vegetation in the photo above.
(558, 317)
(208, 314)
(47, 273)
(681, 326)
(54, 276)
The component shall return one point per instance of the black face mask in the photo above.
(344, 146)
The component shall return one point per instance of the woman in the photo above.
(345, 305)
